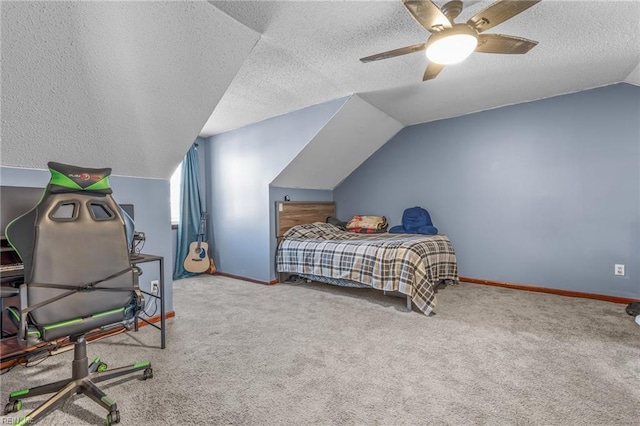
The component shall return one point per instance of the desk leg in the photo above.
(162, 319)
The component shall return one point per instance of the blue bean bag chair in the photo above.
(415, 220)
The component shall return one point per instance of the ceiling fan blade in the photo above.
(395, 52)
(427, 14)
(432, 71)
(499, 12)
(500, 43)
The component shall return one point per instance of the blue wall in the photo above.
(545, 193)
(240, 166)
(150, 198)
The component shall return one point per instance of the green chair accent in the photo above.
(78, 278)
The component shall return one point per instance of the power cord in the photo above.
(35, 357)
(155, 308)
(42, 353)
(138, 245)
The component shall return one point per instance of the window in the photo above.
(176, 181)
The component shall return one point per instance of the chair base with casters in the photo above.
(84, 375)
(83, 380)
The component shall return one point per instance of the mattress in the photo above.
(407, 263)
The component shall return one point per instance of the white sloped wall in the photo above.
(348, 139)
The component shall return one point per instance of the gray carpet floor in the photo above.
(296, 354)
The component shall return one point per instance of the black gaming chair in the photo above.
(78, 278)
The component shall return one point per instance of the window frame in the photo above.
(175, 189)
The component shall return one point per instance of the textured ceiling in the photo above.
(126, 85)
(309, 53)
(131, 84)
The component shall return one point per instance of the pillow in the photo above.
(314, 231)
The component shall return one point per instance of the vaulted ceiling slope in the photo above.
(309, 53)
(127, 85)
(351, 136)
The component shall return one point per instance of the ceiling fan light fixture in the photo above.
(452, 45)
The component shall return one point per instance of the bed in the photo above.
(413, 265)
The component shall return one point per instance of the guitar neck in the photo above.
(201, 229)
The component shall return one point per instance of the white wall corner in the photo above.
(634, 76)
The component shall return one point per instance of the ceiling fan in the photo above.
(450, 43)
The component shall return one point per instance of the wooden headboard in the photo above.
(292, 213)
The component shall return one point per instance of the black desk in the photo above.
(144, 258)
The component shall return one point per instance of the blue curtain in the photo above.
(190, 211)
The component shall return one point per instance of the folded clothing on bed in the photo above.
(367, 222)
(367, 230)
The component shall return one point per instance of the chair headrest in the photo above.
(68, 178)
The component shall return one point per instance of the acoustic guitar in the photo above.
(197, 259)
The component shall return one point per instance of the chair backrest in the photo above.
(75, 235)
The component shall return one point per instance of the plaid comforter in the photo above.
(408, 263)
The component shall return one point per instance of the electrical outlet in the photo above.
(618, 269)
(154, 286)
